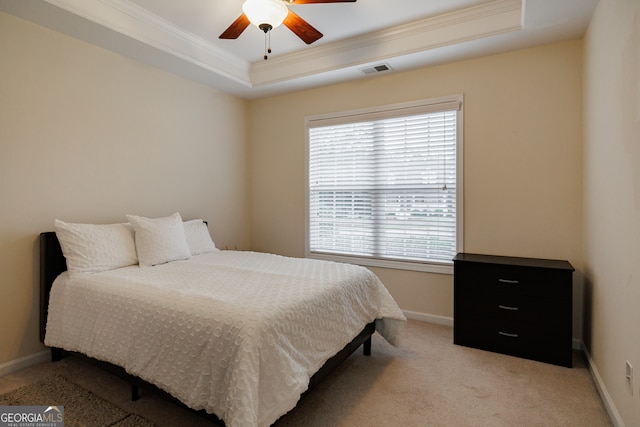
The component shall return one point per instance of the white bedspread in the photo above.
(238, 334)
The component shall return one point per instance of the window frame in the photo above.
(382, 112)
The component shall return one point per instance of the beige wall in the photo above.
(522, 160)
(612, 199)
(89, 136)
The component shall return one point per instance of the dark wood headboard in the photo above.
(52, 263)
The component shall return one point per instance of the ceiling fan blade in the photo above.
(235, 29)
(321, 1)
(301, 28)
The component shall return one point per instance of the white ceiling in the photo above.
(182, 36)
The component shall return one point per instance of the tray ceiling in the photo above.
(182, 36)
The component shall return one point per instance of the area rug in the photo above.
(82, 408)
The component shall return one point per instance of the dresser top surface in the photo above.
(514, 261)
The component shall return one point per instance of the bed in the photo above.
(237, 334)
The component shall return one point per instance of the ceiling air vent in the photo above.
(376, 69)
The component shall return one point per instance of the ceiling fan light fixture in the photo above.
(267, 14)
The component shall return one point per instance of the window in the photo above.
(383, 185)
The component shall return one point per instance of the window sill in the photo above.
(439, 268)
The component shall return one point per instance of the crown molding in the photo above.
(139, 24)
(471, 23)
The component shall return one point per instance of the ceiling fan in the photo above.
(269, 14)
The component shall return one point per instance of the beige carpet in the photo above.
(426, 381)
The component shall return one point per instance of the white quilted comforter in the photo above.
(238, 334)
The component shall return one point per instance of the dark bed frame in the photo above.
(52, 263)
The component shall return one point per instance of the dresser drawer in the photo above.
(483, 278)
(512, 308)
(549, 350)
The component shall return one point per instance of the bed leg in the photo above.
(56, 354)
(135, 392)
(366, 347)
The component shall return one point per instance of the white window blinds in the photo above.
(382, 184)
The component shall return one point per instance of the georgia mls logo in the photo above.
(55, 411)
(31, 416)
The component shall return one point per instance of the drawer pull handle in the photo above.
(506, 334)
(511, 282)
(506, 307)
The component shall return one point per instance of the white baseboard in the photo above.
(24, 362)
(429, 318)
(609, 405)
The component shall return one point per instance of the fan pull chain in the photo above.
(267, 48)
(267, 33)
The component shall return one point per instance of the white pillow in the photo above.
(198, 237)
(159, 240)
(90, 248)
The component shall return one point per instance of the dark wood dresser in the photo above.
(516, 306)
